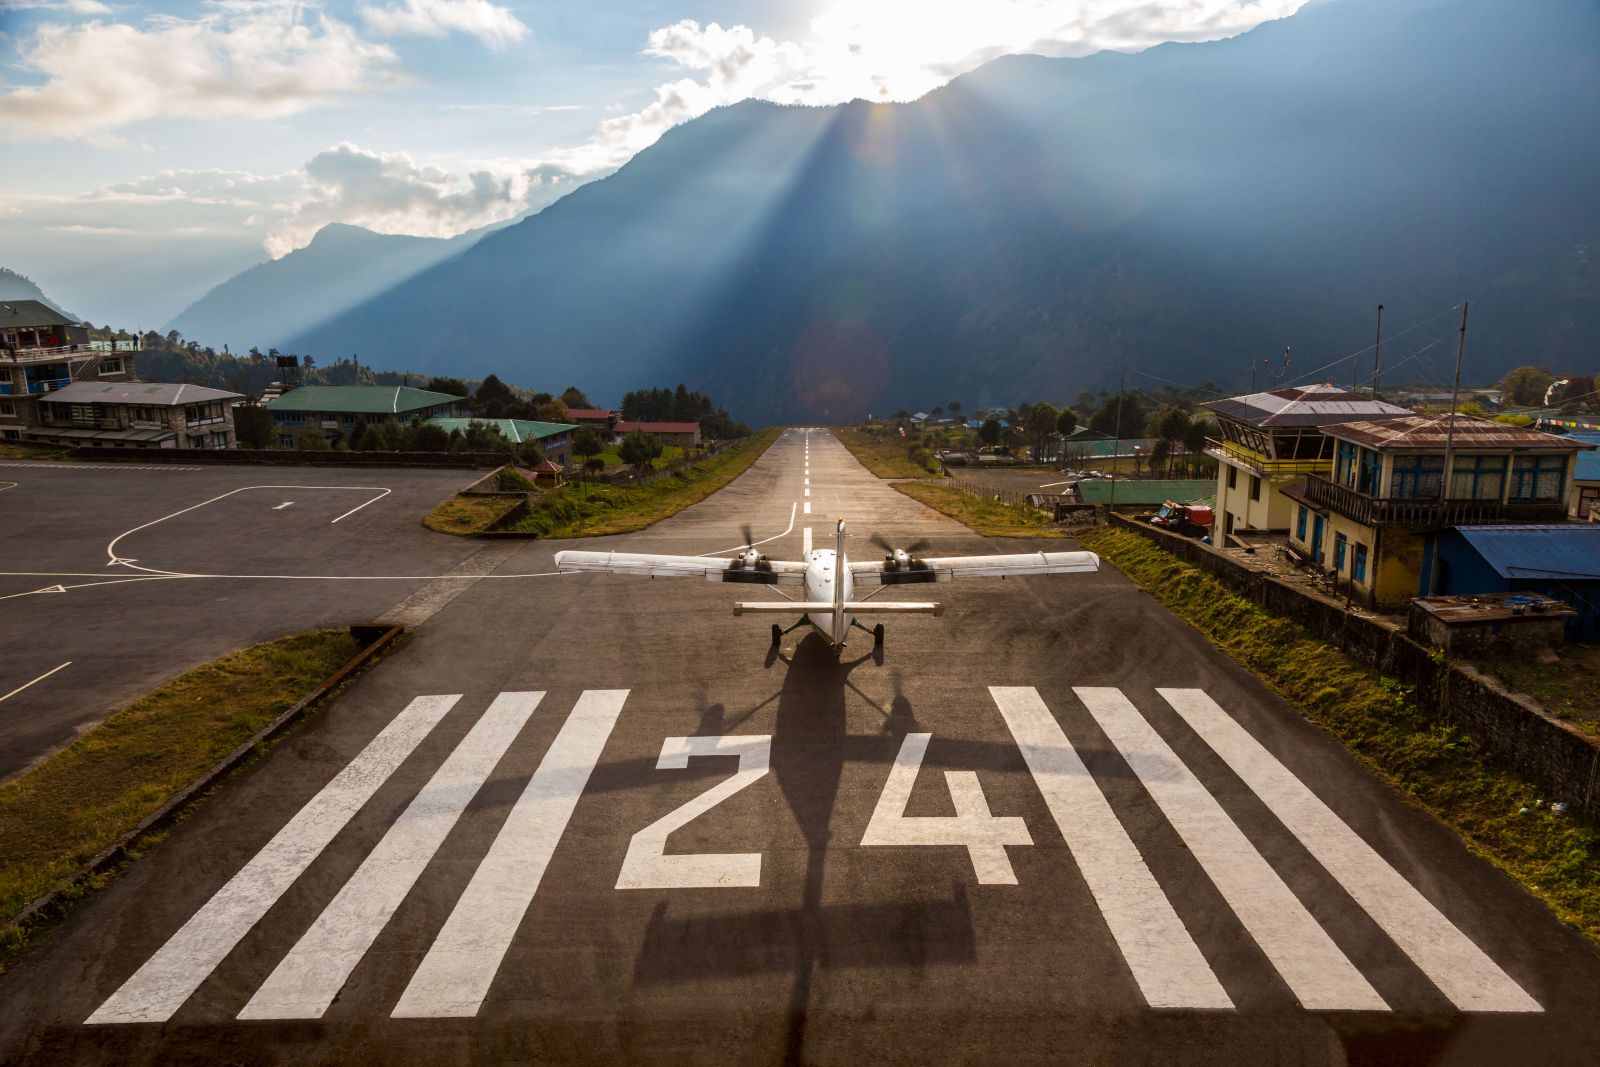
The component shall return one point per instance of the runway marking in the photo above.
(741, 548)
(99, 466)
(1448, 957)
(808, 507)
(805, 542)
(37, 680)
(1166, 963)
(1319, 975)
(647, 865)
(314, 971)
(7, 485)
(984, 836)
(168, 978)
(285, 504)
(808, 492)
(460, 966)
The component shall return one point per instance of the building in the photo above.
(684, 434)
(554, 438)
(135, 415)
(41, 350)
(1584, 503)
(341, 410)
(1272, 439)
(1370, 520)
(1555, 562)
(598, 418)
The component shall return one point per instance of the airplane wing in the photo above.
(709, 568)
(948, 568)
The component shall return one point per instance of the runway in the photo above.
(595, 819)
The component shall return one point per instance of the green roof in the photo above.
(359, 399)
(1146, 491)
(516, 430)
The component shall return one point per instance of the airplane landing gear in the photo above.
(877, 636)
(777, 634)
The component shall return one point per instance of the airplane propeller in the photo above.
(901, 553)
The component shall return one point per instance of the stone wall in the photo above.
(292, 457)
(1518, 733)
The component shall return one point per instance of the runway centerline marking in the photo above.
(170, 977)
(37, 680)
(1461, 970)
(310, 977)
(808, 507)
(805, 541)
(1319, 975)
(454, 977)
(1166, 963)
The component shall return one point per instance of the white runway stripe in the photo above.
(1164, 959)
(1448, 957)
(171, 976)
(308, 979)
(456, 973)
(1320, 976)
(807, 509)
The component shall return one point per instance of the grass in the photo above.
(13, 450)
(467, 515)
(1439, 768)
(587, 510)
(885, 453)
(987, 517)
(64, 811)
(1568, 688)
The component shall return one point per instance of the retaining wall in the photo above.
(292, 457)
(1517, 732)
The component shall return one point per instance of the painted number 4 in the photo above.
(984, 836)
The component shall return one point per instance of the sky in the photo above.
(157, 148)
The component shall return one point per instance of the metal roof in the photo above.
(359, 399)
(515, 430)
(1143, 491)
(29, 314)
(1304, 405)
(1568, 550)
(589, 413)
(1587, 468)
(150, 394)
(1428, 432)
(658, 427)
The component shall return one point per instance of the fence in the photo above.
(1545, 750)
(976, 487)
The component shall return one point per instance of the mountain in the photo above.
(1036, 226)
(341, 267)
(14, 286)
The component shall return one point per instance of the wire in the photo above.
(1369, 348)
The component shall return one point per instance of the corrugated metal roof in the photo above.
(516, 430)
(359, 399)
(30, 314)
(1587, 468)
(1570, 550)
(1429, 432)
(1304, 405)
(1146, 491)
(151, 394)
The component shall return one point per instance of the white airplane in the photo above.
(830, 578)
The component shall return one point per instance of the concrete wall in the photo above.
(1545, 750)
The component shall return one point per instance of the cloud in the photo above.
(71, 7)
(492, 24)
(244, 59)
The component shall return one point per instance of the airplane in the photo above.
(830, 579)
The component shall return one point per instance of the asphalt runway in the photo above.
(595, 819)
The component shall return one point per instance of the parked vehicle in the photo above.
(1194, 520)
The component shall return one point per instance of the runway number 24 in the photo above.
(983, 835)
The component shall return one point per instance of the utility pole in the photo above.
(1377, 353)
(1252, 375)
(1116, 444)
(1449, 455)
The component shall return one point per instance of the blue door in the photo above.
(1316, 538)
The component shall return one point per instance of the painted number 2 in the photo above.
(984, 835)
(647, 866)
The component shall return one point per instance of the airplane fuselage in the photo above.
(827, 581)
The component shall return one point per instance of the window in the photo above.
(1371, 472)
(1417, 477)
(11, 435)
(1255, 487)
(1478, 478)
(1538, 477)
(1358, 566)
(1300, 524)
(7, 408)
(1340, 543)
(1587, 496)
(1344, 467)
(111, 366)
(1233, 477)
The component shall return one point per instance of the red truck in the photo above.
(1196, 520)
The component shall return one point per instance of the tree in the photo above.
(989, 432)
(639, 448)
(1120, 416)
(311, 439)
(529, 454)
(448, 386)
(594, 464)
(494, 398)
(428, 437)
(253, 426)
(1525, 386)
(367, 439)
(482, 437)
(587, 442)
(1578, 393)
(1194, 438)
(1066, 422)
(1040, 425)
(953, 407)
(551, 411)
(573, 397)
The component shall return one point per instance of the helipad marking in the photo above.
(47, 673)
(460, 966)
(307, 980)
(285, 504)
(1166, 963)
(1458, 967)
(170, 977)
(1319, 975)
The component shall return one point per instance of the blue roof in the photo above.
(1570, 550)
(1588, 463)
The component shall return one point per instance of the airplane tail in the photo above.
(841, 568)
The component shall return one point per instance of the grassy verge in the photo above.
(884, 453)
(586, 510)
(1557, 858)
(1568, 688)
(13, 450)
(985, 516)
(63, 812)
(467, 515)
